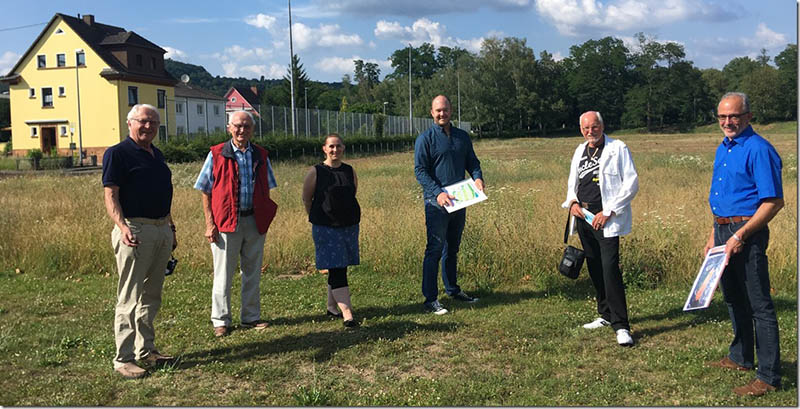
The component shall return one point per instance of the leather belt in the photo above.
(732, 219)
(586, 205)
(245, 213)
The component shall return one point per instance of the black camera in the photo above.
(171, 264)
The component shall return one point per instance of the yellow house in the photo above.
(74, 86)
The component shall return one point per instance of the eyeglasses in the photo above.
(245, 126)
(732, 117)
(146, 121)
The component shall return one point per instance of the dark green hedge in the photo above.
(179, 150)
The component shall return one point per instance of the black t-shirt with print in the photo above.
(589, 176)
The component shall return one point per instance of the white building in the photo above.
(206, 111)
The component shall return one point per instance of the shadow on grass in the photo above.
(570, 290)
(716, 312)
(326, 343)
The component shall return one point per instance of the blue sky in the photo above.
(250, 38)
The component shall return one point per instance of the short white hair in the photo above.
(136, 108)
(597, 113)
(230, 118)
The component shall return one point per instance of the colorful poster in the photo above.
(707, 279)
(466, 193)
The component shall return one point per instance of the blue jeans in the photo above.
(745, 283)
(444, 237)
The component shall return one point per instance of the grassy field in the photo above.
(520, 345)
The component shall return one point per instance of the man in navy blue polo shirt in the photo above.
(746, 193)
(137, 186)
(441, 156)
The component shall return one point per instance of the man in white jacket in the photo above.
(603, 181)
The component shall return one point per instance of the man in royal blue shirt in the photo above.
(441, 156)
(746, 193)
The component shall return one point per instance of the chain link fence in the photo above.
(315, 123)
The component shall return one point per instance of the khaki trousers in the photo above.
(141, 278)
(245, 243)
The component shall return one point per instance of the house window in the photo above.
(32, 93)
(80, 59)
(233, 99)
(181, 131)
(59, 31)
(199, 109)
(63, 129)
(61, 60)
(162, 133)
(216, 110)
(162, 98)
(138, 60)
(62, 91)
(41, 61)
(178, 108)
(34, 132)
(133, 96)
(47, 97)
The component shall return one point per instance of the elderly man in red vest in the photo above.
(235, 183)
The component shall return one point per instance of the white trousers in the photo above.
(248, 244)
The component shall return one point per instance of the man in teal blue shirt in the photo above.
(746, 193)
(441, 156)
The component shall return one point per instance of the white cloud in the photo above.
(234, 70)
(238, 53)
(261, 21)
(7, 61)
(765, 38)
(574, 17)
(344, 65)
(424, 31)
(175, 54)
(326, 35)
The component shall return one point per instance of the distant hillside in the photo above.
(220, 85)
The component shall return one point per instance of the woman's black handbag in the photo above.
(572, 260)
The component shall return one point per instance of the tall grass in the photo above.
(520, 345)
(57, 225)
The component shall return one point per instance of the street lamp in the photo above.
(78, 53)
(305, 98)
(384, 107)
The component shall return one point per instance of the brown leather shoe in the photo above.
(220, 332)
(756, 387)
(156, 358)
(727, 363)
(130, 370)
(259, 325)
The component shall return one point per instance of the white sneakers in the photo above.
(598, 323)
(624, 338)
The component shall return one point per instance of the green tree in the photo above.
(423, 62)
(787, 71)
(301, 82)
(736, 70)
(763, 86)
(597, 74)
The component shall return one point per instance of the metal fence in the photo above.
(315, 123)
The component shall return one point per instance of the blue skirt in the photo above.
(336, 247)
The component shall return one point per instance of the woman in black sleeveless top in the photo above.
(329, 196)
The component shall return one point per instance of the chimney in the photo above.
(255, 90)
(88, 19)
